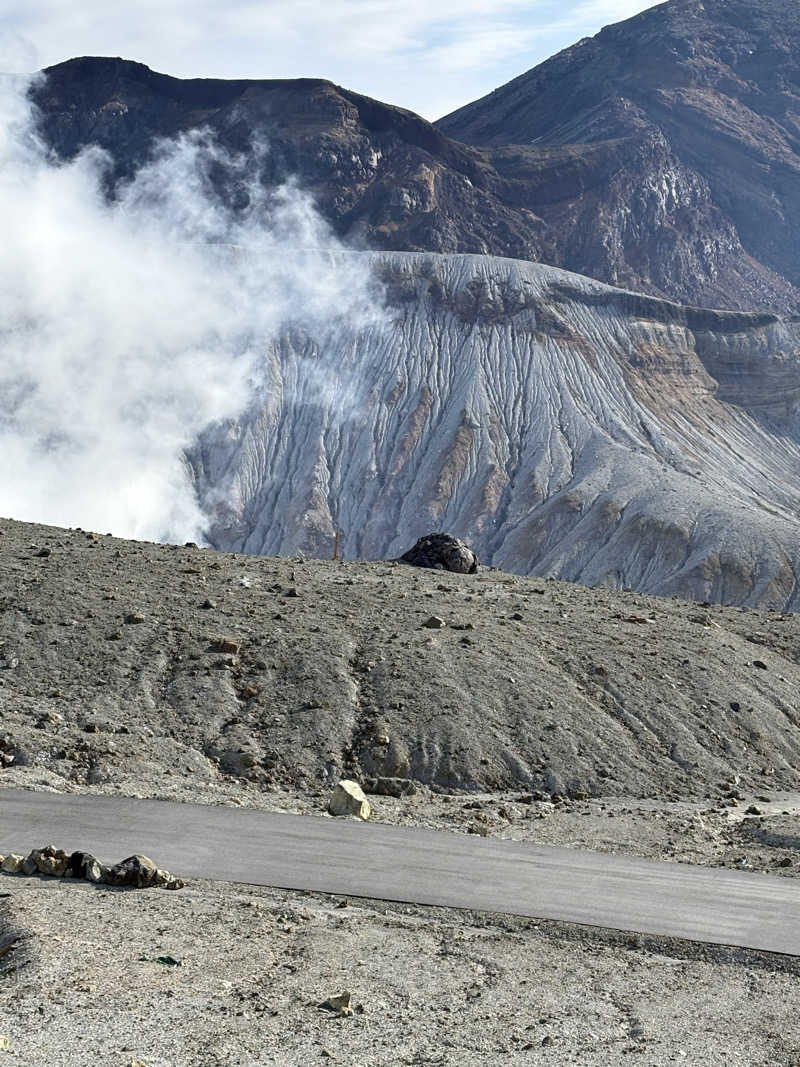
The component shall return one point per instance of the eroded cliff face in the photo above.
(560, 426)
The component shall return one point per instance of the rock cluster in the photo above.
(136, 871)
(442, 552)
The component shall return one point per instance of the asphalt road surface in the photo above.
(421, 866)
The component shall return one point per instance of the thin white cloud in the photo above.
(429, 55)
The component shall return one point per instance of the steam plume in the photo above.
(128, 327)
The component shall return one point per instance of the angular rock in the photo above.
(12, 863)
(161, 877)
(339, 1004)
(51, 860)
(83, 865)
(434, 623)
(138, 871)
(442, 552)
(348, 799)
(97, 873)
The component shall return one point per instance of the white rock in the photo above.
(348, 799)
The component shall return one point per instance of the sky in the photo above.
(430, 56)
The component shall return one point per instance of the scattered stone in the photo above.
(226, 645)
(340, 1004)
(50, 860)
(478, 828)
(138, 871)
(442, 552)
(208, 604)
(134, 618)
(785, 862)
(434, 623)
(12, 863)
(348, 799)
(83, 865)
(753, 810)
(760, 664)
(43, 553)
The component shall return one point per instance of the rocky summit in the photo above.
(697, 102)
(661, 155)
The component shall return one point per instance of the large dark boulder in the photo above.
(442, 552)
(138, 871)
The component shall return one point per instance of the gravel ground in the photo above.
(595, 720)
(428, 986)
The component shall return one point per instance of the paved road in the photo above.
(420, 866)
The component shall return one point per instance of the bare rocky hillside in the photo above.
(164, 671)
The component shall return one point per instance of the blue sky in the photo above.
(427, 55)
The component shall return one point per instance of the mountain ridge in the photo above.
(617, 197)
(714, 82)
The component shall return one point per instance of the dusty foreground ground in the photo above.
(428, 986)
(535, 711)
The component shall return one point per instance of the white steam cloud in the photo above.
(128, 327)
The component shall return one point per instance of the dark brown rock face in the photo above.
(702, 100)
(383, 177)
(138, 871)
(662, 155)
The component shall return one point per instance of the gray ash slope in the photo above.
(111, 677)
(661, 155)
(561, 427)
